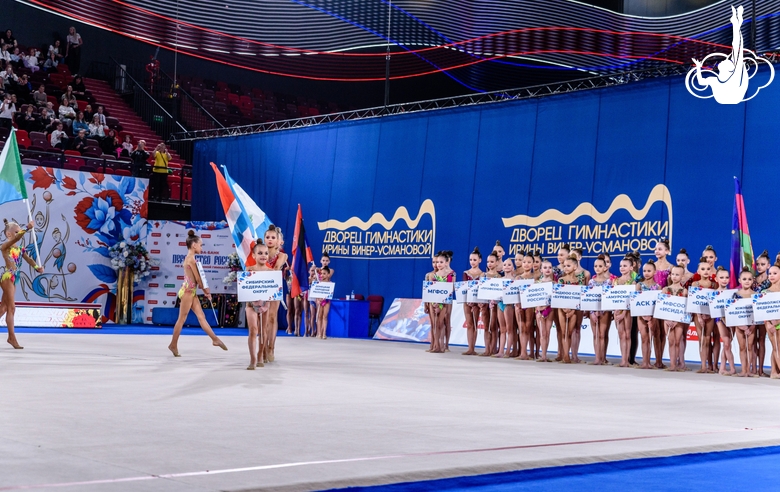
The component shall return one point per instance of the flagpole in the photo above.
(35, 240)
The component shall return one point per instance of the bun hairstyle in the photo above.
(8, 223)
(601, 257)
(746, 269)
(721, 268)
(192, 238)
(577, 251)
(703, 260)
(683, 251)
(764, 254)
(259, 242)
(326, 269)
(498, 243)
(274, 229)
(651, 262)
(665, 242)
(710, 248)
(573, 258)
(566, 247)
(477, 252)
(537, 254)
(528, 253)
(325, 255)
(494, 254)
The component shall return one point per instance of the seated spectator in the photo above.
(5, 56)
(50, 107)
(24, 89)
(51, 127)
(139, 157)
(8, 38)
(30, 120)
(46, 120)
(67, 114)
(7, 110)
(70, 96)
(88, 112)
(101, 115)
(51, 63)
(9, 77)
(31, 61)
(39, 96)
(111, 144)
(81, 124)
(96, 130)
(80, 142)
(54, 49)
(78, 85)
(16, 57)
(58, 138)
(127, 146)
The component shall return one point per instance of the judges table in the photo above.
(348, 319)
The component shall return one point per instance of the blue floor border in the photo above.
(516, 478)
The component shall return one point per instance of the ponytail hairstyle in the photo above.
(683, 251)
(477, 252)
(7, 224)
(665, 242)
(192, 238)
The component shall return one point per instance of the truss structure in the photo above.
(596, 82)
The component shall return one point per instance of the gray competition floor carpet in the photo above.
(117, 412)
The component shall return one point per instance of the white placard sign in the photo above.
(461, 291)
(492, 289)
(671, 308)
(512, 292)
(590, 300)
(739, 312)
(259, 286)
(615, 297)
(566, 296)
(643, 303)
(718, 303)
(699, 300)
(437, 292)
(322, 290)
(473, 296)
(536, 295)
(203, 278)
(766, 307)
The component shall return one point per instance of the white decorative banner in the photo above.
(699, 300)
(491, 289)
(719, 302)
(513, 290)
(616, 297)
(643, 303)
(590, 300)
(259, 286)
(766, 307)
(77, 216)
(739, 312)
(167, 241)
(437, 292)
(536, 295)
(671, 308)
(322, 290)
(566, 296)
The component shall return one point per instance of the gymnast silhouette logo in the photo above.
(729, 84)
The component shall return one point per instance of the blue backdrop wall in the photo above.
(608, 169)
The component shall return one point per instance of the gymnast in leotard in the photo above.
(544, 315)
(723, 278)
(647, 324)
(622, 317)
(563, 252)
(277, 260)
(470, 309)
(571, 319)
(257, 311)
(438, 328)
(600, 320)
(684, 260)
(188, 296)
(489, 310)
(506, 317)
(761, 283)
(13, 256)
(674, 329)
(448, 307)
(323, 310)
(706, 280)
(525, 317)
(746, 334)
(427, 307)
(712, 257)
(773, 326)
